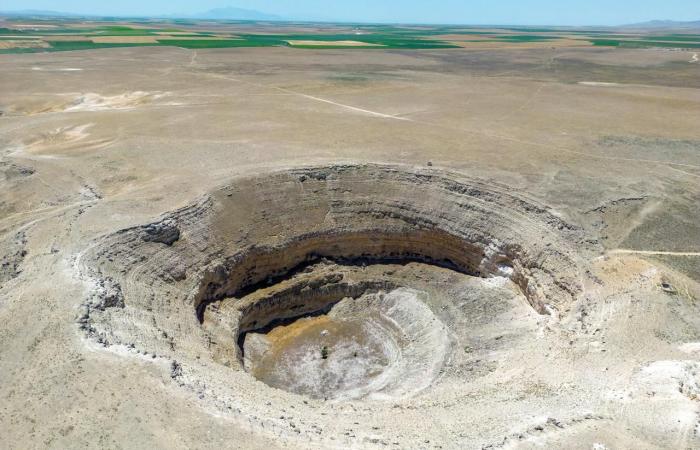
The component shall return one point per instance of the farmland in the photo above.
(66, 35)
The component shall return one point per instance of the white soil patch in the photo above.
(690, 347)
(97, 102)
(58, 69)
(598, 83)
(59, 136)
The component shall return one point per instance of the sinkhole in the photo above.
(332, 282)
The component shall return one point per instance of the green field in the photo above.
(526, 38)
(230, 34)
(627, 43)
(405, 39)
(208, 43)
(61, 46)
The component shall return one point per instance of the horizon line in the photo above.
(65, 15)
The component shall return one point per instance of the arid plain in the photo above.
(578, 167)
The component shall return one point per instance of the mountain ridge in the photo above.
(660, 24)
(233, 13)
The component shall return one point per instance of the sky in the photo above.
(502, 12)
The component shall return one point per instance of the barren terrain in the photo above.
(504, 243)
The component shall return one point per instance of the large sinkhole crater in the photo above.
(331, 282)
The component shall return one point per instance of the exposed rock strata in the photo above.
(11, 260)
(289, 243)
(262, 229)
(165, 232)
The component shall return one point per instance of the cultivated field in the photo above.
(65, 35)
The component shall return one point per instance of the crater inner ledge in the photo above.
(335, 282)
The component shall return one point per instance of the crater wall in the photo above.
(161, 288)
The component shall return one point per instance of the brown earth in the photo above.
(117, 224)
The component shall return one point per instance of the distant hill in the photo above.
(229, 13)
(232, 13)
(666, 24)
(41, 13)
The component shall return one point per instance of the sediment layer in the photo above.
(193, 282)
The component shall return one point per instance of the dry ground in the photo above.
(95, 141)
(332, 43)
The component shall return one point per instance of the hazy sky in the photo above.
(531, 12)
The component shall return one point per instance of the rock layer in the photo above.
(262, 229)
(279, 246)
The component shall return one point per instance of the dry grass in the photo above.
(197, 38)
(69, 37)
(125, 40)
(462, 37)
(32, 25)
(188, 35)
(496, 45)
(4, 45)
(334, 43)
